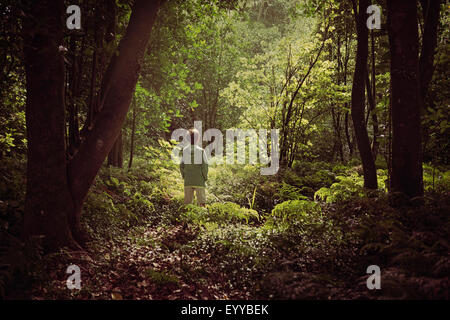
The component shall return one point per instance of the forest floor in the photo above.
(146, 245)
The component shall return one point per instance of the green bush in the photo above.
(219, 213)
(229, 211)
(348, 187)
(285, 213)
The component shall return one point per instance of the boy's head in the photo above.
(195, 135)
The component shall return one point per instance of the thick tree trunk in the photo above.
(48, 199)
(406, 99)
(56, 189)
(358, 99)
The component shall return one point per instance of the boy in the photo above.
(194, 174)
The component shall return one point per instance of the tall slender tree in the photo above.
(358, 96)
(431, 10)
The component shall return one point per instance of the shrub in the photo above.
(302, 211)
(229, 211)
(219, 213)
(348, 187)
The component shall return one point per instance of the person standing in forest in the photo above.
(194, 170)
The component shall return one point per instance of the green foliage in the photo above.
(348, 187)
(310, 176)
(301, 211)
(241, 68)
(119, 200)
(229, 211)
(219, 214)
(238, 251)
(234, 183)
(435, 179)
(12, 118)
(288, 192)
(161, 278)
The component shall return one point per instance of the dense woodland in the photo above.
(86, 176)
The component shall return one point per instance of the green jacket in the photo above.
(194, 175)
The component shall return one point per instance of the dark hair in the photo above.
(194, 135)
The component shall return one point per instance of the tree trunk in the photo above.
(115, 156)
(348, 136)
(358, 98)
(375, 143)
(74, 130)
(372, 104)
(133, 129)
(406, 99)
(431, 9)
(56, 189)
(48, 199)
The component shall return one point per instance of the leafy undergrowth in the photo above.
(311, 235)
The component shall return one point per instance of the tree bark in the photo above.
(406, 99)
(431, 10)
(348, 136)
(375, 143)
(115, 156)
(372, 105)
(56, 189)
(74, 130)
(48, 200)
(358, 98)
(133, 129)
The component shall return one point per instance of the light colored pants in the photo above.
(189, 195)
